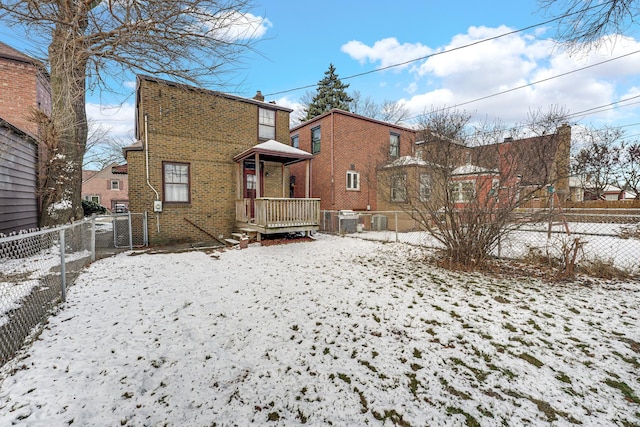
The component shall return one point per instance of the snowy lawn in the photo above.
(339, 331)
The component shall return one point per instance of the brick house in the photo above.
(24, 87)
(207, 163)
(108, 187)
(502, 171)
(348, 150)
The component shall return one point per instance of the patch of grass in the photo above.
(630, 360)
(509, 327)
(415, 367)
(368, 365)
(563, 377)
(469, 420)
(363, 400)
(628, 393)
(529, 358)
(376, 318)
(501, 299)
(295, 328)
(302, 417)
(273, 416)
(417, 353)
(450, 389)
(391, 415)
(345, 378)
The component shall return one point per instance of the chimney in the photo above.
(259, 96)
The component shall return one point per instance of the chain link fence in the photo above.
(608, 236)
(36, 269)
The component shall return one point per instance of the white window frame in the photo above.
(425, 186)
(117, 184)
(399, 188)
(394, 144)
(176, 181)
(353, 181)
(460, 194)
(266, 123)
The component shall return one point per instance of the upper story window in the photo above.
(315, 140)
(394, 145)
(399, 188)
(115, 184)
(176, 182)
(295, 141)
(353, 180)
(266, 123)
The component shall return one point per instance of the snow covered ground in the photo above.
(339, 331)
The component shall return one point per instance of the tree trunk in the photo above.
(66, 137)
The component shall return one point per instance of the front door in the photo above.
(250, 185)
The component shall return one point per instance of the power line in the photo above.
(443, 52)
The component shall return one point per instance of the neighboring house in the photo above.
(108, 187)
(18, 179)
(24, 88)
(503, 171)
(207, 164)
(348, 150)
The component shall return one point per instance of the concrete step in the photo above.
(232, 242)
(238, 236)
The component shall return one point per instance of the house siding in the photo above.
(205, 129)
(348, 139)
(18, 180)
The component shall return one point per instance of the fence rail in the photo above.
(610, 238)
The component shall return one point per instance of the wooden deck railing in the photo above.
(279, 212)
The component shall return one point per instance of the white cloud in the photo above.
(236, 26)
(504, 63)
(386, 51)
(118, 120)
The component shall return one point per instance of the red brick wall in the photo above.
(22, 88)
(357, 141)
(100, 185)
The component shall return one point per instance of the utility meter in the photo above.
(157, 205)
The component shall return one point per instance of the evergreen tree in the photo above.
(330, 93)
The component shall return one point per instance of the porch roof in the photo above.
(274, 151)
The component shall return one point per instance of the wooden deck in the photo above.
(278, 215)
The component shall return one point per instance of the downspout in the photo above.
(146, 156)
(333, 184)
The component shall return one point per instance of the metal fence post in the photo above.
(396, 221)
(63, 267)
(93, 237)
(130, 233)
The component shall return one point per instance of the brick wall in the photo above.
(23, 87)
(100, 185)
(359, 144)
(204, 129)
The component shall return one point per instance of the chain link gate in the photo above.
(130, 230)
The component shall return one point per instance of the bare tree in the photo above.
(585, 23)
(364, 106)
(597, 163)
(630, 167)
(102, 149)
(189, 40)
(464, 191)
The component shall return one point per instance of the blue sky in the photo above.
(296, 42)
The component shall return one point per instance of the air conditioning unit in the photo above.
(378, 222)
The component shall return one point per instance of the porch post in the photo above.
(307, 179)
(284, 181)
(258, 178)
(240, 184)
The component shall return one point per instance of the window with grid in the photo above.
(394, 145)
(353, 180)
(176, 182)
(462, 191)
(315, 140)
(266, 123)
(399, 188)
(425, 187)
